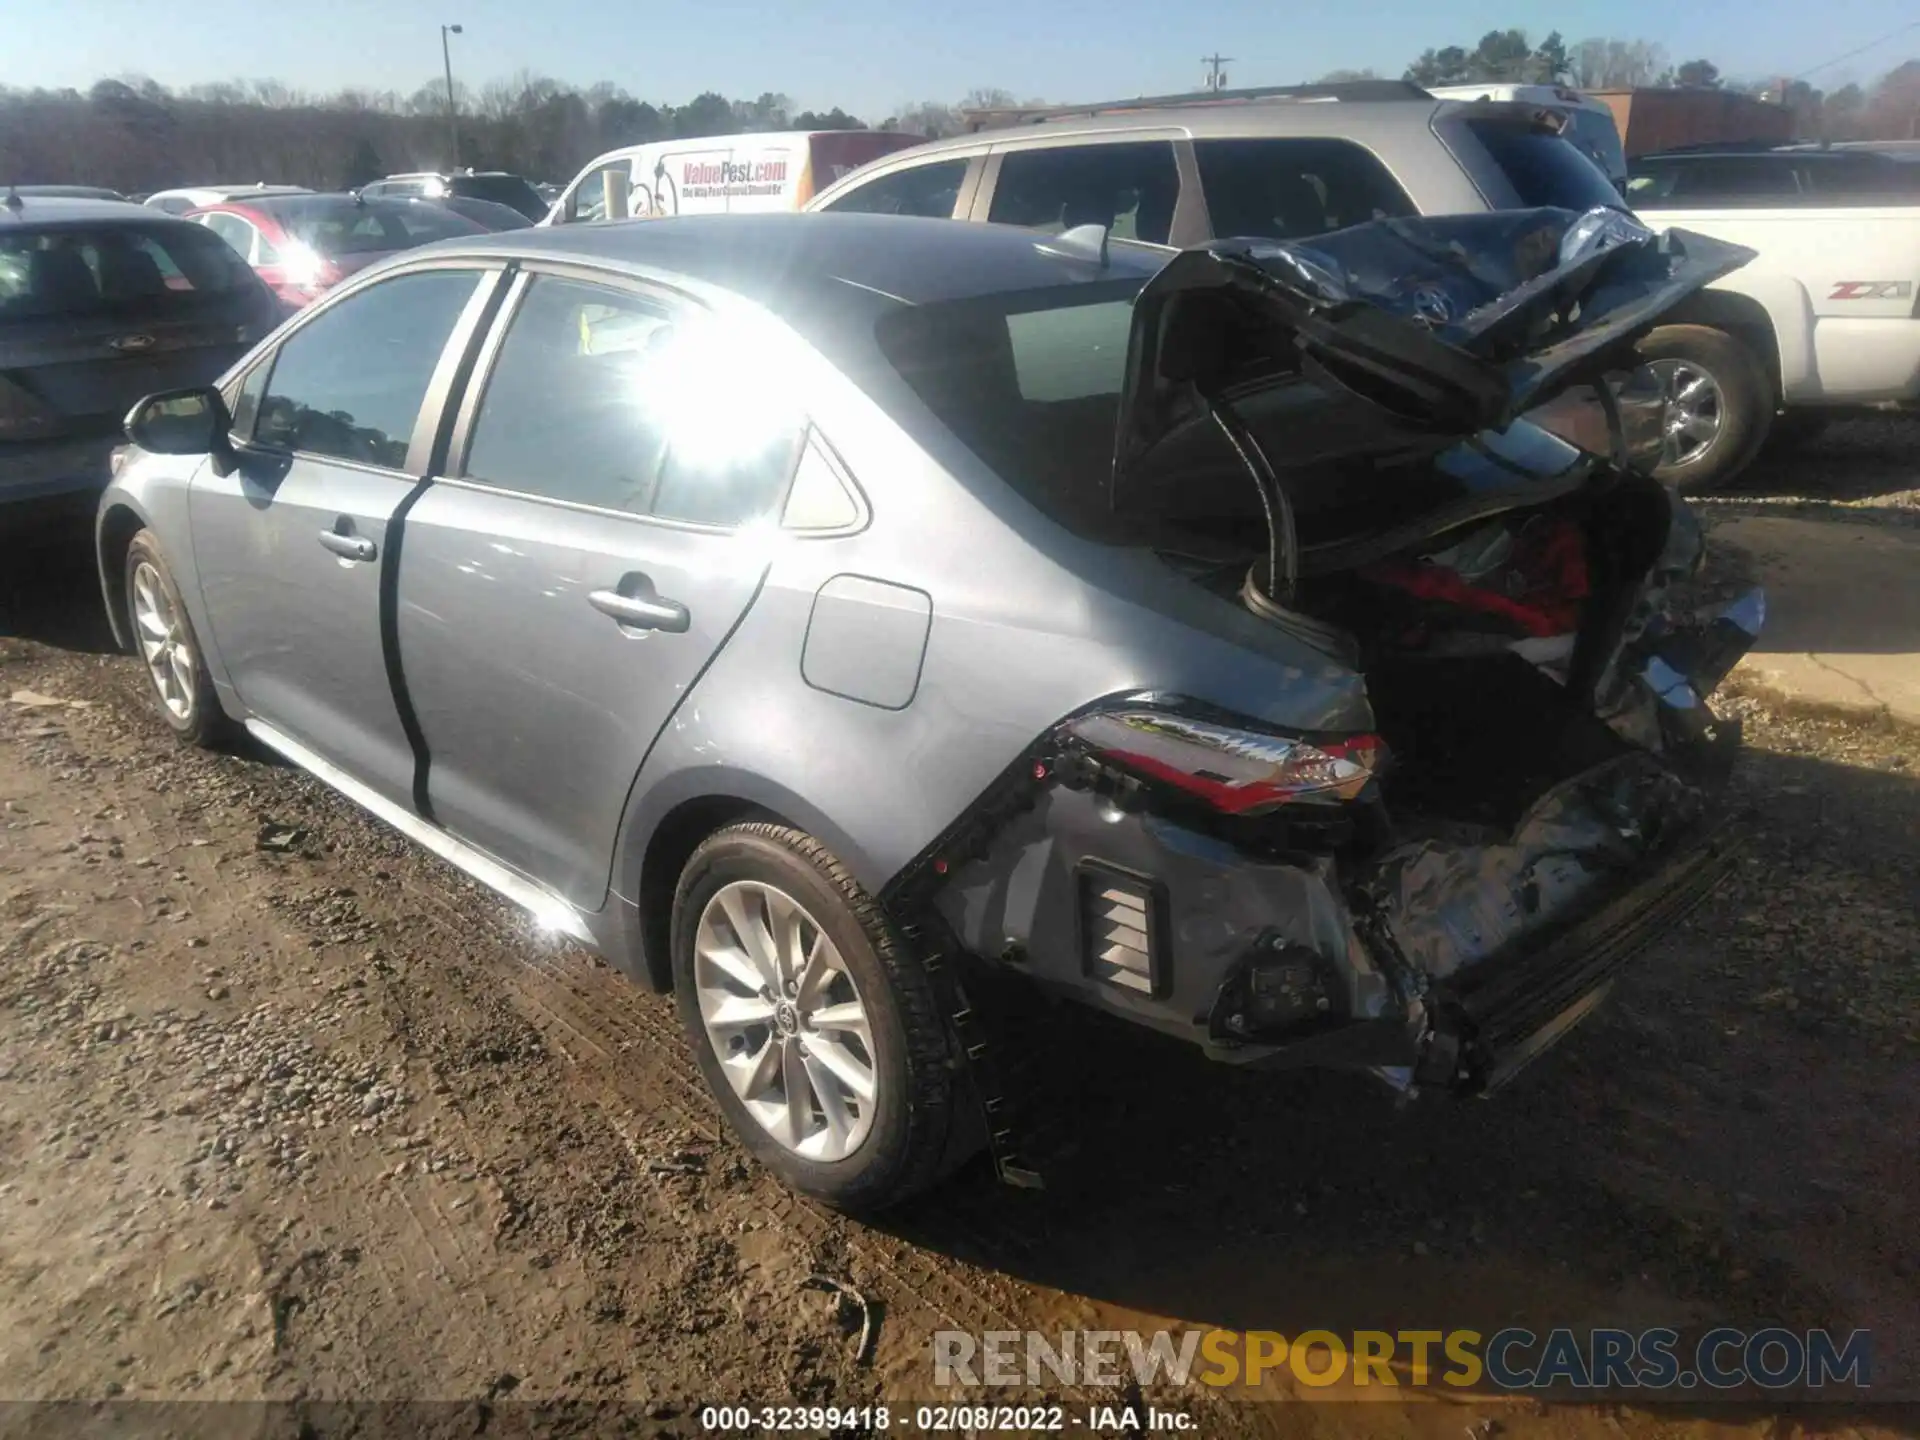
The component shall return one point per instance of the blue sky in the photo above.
(871, 57)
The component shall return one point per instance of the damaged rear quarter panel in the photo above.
(1028, 624)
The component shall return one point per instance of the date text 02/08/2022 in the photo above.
(943, 1419)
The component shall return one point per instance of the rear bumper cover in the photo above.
(1337, 986)
(55, 468)
(1489, 1024)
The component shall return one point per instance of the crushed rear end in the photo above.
(1331, 436)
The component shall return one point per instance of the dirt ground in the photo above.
(291, 1111)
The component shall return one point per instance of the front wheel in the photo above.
(815, 1029)
(1719, 404)
(163, 634)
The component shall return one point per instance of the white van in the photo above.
(719, 174)
(1590, 124)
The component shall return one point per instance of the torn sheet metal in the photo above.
(1448, 905)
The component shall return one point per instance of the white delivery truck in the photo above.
(719, 174)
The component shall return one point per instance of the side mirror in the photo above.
(183, 422)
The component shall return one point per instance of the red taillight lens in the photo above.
(1239, 772)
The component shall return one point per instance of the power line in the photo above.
(1861, 50)
(1216, 79)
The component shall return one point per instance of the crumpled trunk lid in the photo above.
(1444, 326)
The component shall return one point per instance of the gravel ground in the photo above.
(289, 1110)
(1863, 468)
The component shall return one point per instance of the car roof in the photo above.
(789, 262)
(70, 209)
(1251, 119)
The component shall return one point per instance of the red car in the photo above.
(303, 244)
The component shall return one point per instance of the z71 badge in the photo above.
(1872, 290)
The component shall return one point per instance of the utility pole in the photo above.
(1216, 77)
(453, 111)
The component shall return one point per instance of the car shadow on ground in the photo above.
(50, 589)
(1857, 456)
(1702, 1152)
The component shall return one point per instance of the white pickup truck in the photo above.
(1827, 316)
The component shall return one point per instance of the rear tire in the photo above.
(823, 1044)
(164, 639)
(1720, 404)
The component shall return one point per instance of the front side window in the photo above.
(1294, 189)
(604, 398)
(350, 383)
(1736, 179)
(589, 200)
(1128, 188)
(927, 190)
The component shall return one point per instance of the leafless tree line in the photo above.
(135, 135)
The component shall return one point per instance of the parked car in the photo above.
(1824, 320)
(66, 192)
(100, 303)
(1112, 720)
(719, 174)
(496, 186)
(1282, 164)
(197, 197)
(302, 245)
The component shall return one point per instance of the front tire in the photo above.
(1719, 404)
(164, 638)
(817, 1032)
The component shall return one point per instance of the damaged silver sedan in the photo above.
(807, 610)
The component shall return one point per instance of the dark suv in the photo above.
(101, 303)
(495, 185)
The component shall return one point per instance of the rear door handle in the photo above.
(348, 546)
(648, 612)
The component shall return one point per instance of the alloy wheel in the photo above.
(1696, 412)
(164, 641)
(783, 1014)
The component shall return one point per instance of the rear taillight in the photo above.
(1235, 771)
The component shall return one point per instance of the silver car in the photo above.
(805, 610)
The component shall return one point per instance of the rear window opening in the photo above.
(78, 271)
(1543, 168)
(508, 190)
(337, 228)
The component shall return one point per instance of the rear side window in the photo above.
(1130, 188)
(121, 270)
(349, 384)
(1029, 382)
(1292, 189)
(1542, 168)
(600, 398)
(1863, 178)
(929, 190)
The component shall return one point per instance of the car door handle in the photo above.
(349, 547)
(648, 612)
